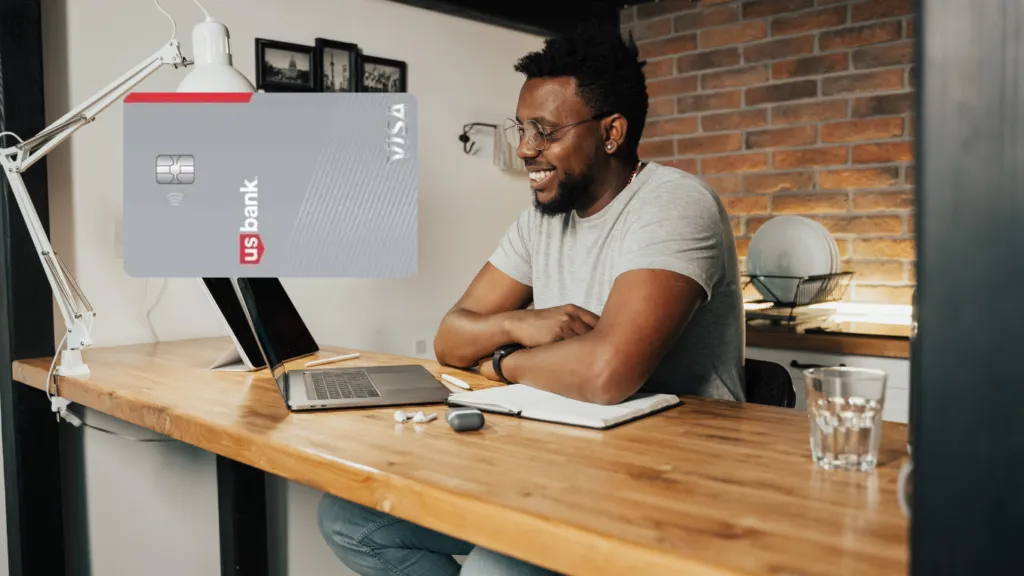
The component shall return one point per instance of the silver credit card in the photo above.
(270, 185)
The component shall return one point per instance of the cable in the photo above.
(174, 25)
(144, 313)
(16, 137)
(122, 436)
(159, 296)
(50, 372)
(203, 9)
(142, 305)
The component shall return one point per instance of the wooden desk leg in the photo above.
(242, 500)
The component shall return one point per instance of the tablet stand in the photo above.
(230, 361)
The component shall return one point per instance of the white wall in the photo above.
(151, 508)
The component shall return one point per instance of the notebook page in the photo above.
(542, 405)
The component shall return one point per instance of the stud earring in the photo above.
(609, 146)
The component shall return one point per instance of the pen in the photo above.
(454, 380)
(334, 359)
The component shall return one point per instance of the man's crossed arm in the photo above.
(570, 351)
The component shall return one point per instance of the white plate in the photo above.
(788, 246)
(836, 258)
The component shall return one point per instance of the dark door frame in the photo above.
(35, 528)
(968, 419)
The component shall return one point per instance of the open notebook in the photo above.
(527, 402)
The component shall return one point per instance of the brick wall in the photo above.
(792, 107)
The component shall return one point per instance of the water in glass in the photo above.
(844, 406)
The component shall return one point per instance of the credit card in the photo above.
(270, 185)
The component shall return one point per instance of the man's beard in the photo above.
(573, 191)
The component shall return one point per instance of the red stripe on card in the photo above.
(205, 97)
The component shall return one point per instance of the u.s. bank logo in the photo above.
(175, 169)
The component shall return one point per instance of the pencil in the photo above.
(454, 380)
(330, 360)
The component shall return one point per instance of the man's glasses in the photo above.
(535, 135)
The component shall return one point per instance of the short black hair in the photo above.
(606, 67)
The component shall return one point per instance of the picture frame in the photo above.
(284, 66)
(337, 65)
(383, 75)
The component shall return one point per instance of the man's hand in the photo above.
(533, 328)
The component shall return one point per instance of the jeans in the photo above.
(373, 543)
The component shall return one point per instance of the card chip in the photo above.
(175, 169)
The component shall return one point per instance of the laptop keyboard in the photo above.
(342, 385)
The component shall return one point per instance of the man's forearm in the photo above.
(578, 368)
(465, 337)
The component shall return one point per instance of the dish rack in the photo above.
(809, 290)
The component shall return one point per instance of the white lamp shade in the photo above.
(213, 71)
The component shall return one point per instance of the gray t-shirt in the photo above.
(666, 219)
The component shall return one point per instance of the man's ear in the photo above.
(614, 132)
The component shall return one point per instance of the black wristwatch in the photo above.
(500, 355)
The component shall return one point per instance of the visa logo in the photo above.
(250, 243)
(396, 132)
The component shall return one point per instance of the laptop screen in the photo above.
(280, 331)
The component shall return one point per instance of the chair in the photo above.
(768, 383)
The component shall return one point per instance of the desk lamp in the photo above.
(213, 73)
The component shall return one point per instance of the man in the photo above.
(631, 269)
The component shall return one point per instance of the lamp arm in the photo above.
(33, 149)
(75, 308)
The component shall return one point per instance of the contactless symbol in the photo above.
(175, 169)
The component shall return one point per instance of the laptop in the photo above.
(327, 388)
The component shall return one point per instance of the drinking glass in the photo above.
(844, 405)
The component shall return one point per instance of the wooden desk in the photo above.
(707, 488)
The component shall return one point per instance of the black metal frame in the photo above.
(242, 503)
(35, 525)
(807, 291)
(968, 420)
